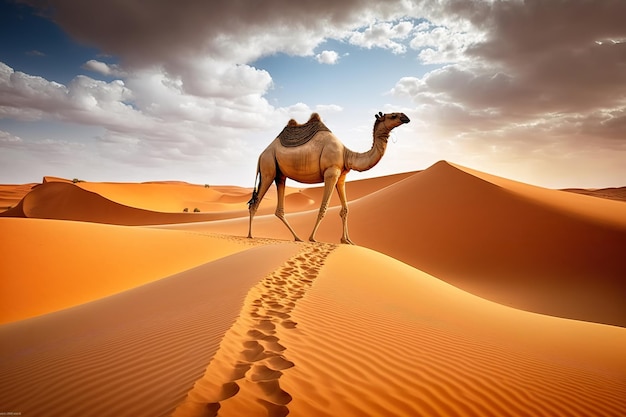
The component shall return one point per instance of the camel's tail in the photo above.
(255, 192)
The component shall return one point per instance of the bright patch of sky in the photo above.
(359, 75)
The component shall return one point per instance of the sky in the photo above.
(194, 90)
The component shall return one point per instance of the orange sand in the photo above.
(528, 247)
(53, 264)
(104, 316)
(10, 195)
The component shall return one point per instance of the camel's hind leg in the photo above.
(280, 207)
(264, 185)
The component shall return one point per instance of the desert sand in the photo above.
(467, 295)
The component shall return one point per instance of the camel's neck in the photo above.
(366, 160)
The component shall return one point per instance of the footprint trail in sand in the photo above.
(245, 372)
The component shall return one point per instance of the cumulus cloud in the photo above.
(210, 78)
(441, 44)
(148, 116)
(104, 68)
(532, 70)
(383, 35)
(327, 57)
(26, 97)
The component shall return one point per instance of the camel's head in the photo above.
(391, 120)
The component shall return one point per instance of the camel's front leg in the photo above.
(280, 207)
(330, 180)
(341, 190)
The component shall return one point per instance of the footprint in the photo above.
(253, 352)
(279, 363)
(240, 370)
(278, 314)
(273, 347)
(266, 325)
(289, 324)
(274, 393)
(256, 334)
(274, 410)
(263, 373)
(229, 389)
(211, 409)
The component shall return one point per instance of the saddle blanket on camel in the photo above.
(295, 134)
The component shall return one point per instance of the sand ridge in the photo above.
(245, 373)
(379, 338)
(512, 243)
(193, 318)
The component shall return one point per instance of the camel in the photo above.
(322, 159)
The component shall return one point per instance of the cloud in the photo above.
(229, 30)
(441, 44)
(186, 87)
(25, 97)
(530, 76)
(210, 78)
(9, 140)
(531, 70)
(327, 57)
(104, 68)
(383, 35)
(147, 117)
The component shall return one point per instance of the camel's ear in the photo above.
(379, 115)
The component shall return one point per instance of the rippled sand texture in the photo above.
(469, 295)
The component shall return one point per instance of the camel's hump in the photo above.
(295, 134)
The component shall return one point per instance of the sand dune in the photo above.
(132, 354)
(143, 204)
(10, 195)
(48, 265)
(311, 330)
(63, 201)
(105, 316)
(357, 189)
(532, 248)
(174, 197)
(403, 343)
(48, 178)
(613, 193)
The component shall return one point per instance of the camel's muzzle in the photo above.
(404, 118)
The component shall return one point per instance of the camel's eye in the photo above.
(394, 116)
